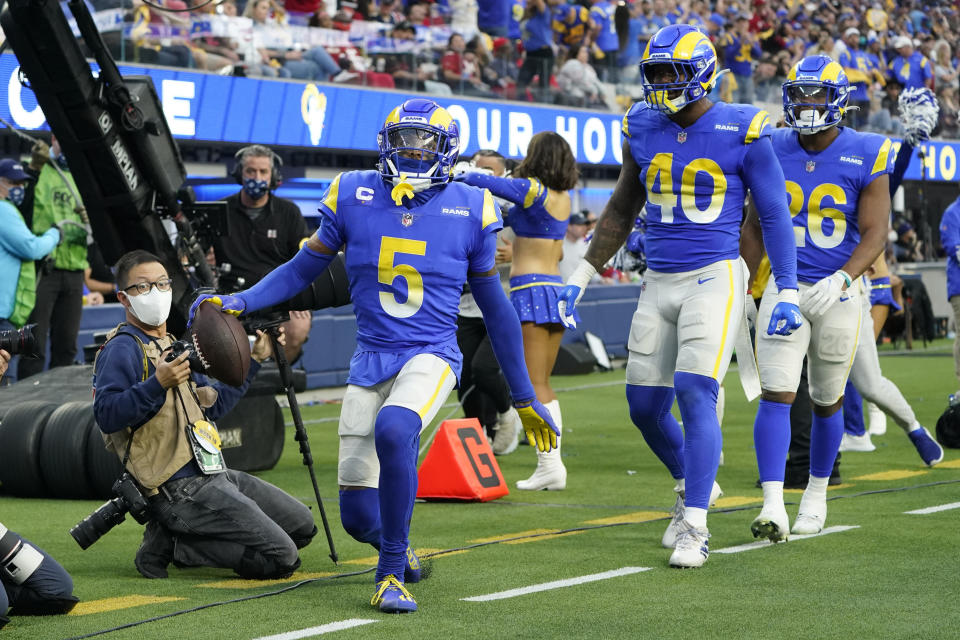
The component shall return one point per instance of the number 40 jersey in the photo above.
(695, 181)
(406, 265)
(823, 189)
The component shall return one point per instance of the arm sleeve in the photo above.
(21, 242)
(227, 396)
(764, 177)
(900, 168)
(522, 191)
(287, 280)
(121, 399)
(505, 335)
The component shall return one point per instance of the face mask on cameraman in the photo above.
(59, 159)
(256, 189)
(151, 308)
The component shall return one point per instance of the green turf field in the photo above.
(892, 575)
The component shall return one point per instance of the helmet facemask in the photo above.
(415, 153)
(667, 84)
(811, 107)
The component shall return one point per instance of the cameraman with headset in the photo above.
(33, 582)
(265, 232)
(154, 414)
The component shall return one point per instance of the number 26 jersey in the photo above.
(823, 191)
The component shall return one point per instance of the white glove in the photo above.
(820, 297)
(468, 167)
(571, 293)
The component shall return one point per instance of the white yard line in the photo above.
(322, 629)
(942, 507)
(766, 543)
(556, 584)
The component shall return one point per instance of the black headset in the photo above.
(277, 163)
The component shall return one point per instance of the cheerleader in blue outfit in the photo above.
(539, 189)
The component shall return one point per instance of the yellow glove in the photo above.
(538, 424)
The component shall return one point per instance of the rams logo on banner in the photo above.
(313, 109)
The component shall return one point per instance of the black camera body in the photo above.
(111, 513)
(21, 341)
(180, 347)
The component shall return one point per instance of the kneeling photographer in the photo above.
(154, 413)
(32, 583)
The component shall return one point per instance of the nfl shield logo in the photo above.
(682, 137)
(406, 219)
(810, 166)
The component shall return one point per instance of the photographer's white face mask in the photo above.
(151, 308)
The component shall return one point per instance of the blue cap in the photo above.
(12, 170)
(716, 18)
(781, 13)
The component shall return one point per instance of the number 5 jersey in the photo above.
(407, 265)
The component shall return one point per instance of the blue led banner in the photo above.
(201, 106)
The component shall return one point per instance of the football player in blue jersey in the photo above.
(837, 185)
(411, 240)
(691, 162)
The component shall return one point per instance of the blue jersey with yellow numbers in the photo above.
(406, 266)
(694, 181)
(571, 23)
(823, 190)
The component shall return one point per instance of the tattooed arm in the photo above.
(616, 221)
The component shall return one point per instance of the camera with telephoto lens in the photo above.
(111, 513)
(21, 341)
(180, 347)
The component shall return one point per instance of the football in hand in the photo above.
(222, 344)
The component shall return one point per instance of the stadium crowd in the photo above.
(580, 54)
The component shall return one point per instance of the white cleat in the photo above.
(856, 443)
(773, 523)
(669, 539)
(811, 516)
(507, 436)
(692, 547)
(877, 420)
(715, 493)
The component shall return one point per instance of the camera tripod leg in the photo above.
(286, 379)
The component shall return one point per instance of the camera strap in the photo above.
(205, 442)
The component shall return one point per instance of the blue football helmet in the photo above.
(815, 95)
(679, 67)
(419, 144)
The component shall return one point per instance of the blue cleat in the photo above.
(413, 572)
(926, 446)
(392, 597)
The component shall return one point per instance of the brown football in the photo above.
(222, 344)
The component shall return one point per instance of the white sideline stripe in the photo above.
(322, 629)
(942, 507)
(766, 543)
(556, 584)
